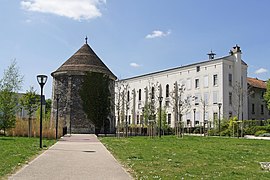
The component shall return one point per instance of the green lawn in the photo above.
(16, 151)
(191, 157)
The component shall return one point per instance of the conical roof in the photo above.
(84, 60)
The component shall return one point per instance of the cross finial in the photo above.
(86, 39)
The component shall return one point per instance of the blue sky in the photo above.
(132, 37)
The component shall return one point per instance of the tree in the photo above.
(29, 101)
(181, 106)
(267, 94)
(96, 95)
(10, 84)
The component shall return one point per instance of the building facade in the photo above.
(200, 93)
(257, 107)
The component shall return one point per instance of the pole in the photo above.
(160, 118)
(40, 126)
(219, 119)
(56, 127)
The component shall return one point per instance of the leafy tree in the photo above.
(30, 103)
(48, 108)
(267, 94)
(10, 84)
(95, 95)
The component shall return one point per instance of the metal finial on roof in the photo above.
(86, 39)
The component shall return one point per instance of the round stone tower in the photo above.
(67, 81)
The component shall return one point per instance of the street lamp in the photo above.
(42, 79)
(194, 110)
(56, 126)
(160, 98)
(219, 106)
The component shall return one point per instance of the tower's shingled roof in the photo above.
(84, 60)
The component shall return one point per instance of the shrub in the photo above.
(260, 132)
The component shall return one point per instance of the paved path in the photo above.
(76, 157)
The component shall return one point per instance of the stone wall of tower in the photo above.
(70, 108)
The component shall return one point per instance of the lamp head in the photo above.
(219, 105)
(42, 79)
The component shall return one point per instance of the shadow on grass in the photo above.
(6, 139)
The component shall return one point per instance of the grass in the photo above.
(16, 151)
(191, 157)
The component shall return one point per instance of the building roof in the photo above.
(84, 60)
(255, 82)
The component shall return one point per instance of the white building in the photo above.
(204, 85)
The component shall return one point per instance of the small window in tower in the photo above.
(215, 80)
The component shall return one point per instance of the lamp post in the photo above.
(194, 110)
(42, 79)
(142, 121)
(219, 106)
(160, 98)
(56, 125)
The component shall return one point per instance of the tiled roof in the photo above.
(85, 60)
(254, 82)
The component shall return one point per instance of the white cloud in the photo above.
(261, 70)
(157, 33)
(74, 9)
(134, 65)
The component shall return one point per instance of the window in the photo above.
(215, 97)
(153, 93)
(230, 79)
(141, 118)
(140, 94)
(129, 118)
(128, 96)
(252, 94)
(169, 118)
(188, 84)
(262, 109)
(230, 114)
(262, 94)
(188, 116)
(205, 81)
(197, 99)
(253, 108)
(230, 98)
(198, 68)
(197, 83)
(215, 80)
(206, 98)
(215, 115)
(138, 120)
(206, 116)
(167, 90)
(167, 103)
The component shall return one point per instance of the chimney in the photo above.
(235, 49)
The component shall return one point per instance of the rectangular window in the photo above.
(167, 103)
(198, 68)
(206, 98)
(205, 81)
(138, 120)
(215, 80)
(215, 97)
(230, 98)
(197, 99)
(215, 115)
(230, 114)
(188, 84)
(230, 79)
(253, 108)
(197, 83)
(262, 109)
(140, 94)
(206, 116)
(169, 118)
(262, 94)
(129, 119)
